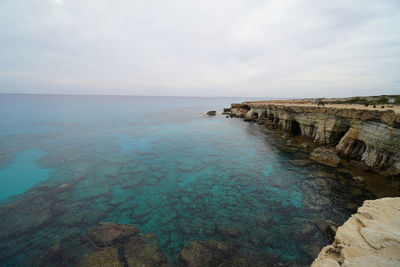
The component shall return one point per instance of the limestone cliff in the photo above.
(372, 136)
(239, 110)
(371, 237)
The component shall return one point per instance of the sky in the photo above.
(270, 48)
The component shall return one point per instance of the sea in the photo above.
(68, 162)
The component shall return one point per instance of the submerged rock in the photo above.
(24, 215)
(325, 156)
(108, 233)
(122, 245)
(54, 252)
(103, 258)
(229, 231)
(142, 250)
(211, 253)
(369, 238)
(301, 162)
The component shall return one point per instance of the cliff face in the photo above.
(372, 136)
(369, 238)
(239, 110)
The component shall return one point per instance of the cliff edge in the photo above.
(354, 131)
(371, 237)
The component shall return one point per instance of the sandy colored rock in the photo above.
(371, 237)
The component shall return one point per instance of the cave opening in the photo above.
(295, 128)
(338, 135)
(271, 117)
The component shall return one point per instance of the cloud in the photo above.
(200, 48)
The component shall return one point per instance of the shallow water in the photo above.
(69, 162)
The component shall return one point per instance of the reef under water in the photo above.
(70, 162)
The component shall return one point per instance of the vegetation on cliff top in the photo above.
(371, 100)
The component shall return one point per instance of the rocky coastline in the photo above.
(371, 137)
(360, 138)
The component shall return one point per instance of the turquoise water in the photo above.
(69, 162)
(21, 174)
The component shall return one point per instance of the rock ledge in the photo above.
(371, 237)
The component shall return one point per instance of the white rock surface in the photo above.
(371, 237)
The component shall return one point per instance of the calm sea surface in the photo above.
(69, 162)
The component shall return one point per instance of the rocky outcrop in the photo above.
(371, 136)
(239, 110)
(325, 156)
(377, 144)
(371, 237)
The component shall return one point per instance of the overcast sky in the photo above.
(200, 48)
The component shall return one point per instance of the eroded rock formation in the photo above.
(371, 237)
(371, 136)
(239, 110)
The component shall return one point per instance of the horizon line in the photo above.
(66, 94)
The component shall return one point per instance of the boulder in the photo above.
(211, 113)
(108, 233)
(326, 156)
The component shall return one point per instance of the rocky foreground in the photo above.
(371, 237)
(371, 136)
(119, 245)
